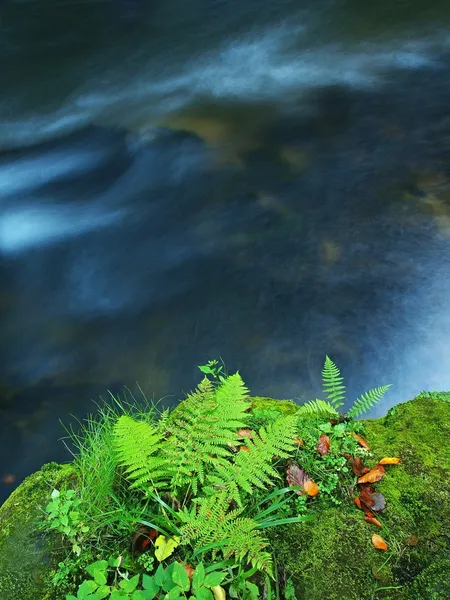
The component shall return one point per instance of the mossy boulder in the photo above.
(331, 557)
(26, 555)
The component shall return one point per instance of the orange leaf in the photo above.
(374, 521)
(378, 542)
(357, 501)
(311, 488)
(323, 445)
(298, 441)
(246, 433)
(373, 475)
(389, 461)
(361, 441)
(244, 449)
(142, 539)
(295, 476)
(357, 466)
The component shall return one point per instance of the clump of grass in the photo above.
(107, 504)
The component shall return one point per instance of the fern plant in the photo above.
(194, 456)
(333, 385)
(138, 448)
(203, 430)
(252, 465)
(211, 522)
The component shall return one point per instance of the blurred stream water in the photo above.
(265, 182)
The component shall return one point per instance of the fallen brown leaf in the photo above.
(244, 449)
(245, 433)
(357, 501)
(389, 461)
(373, 520)
(358, 467)
(361, 441)
(378, 542)
(299, 442)
(323, 445)
(142, 539)
(373, 475)
(295, 476)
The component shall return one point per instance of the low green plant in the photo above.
(213, 368)
(200, 462)
(63, 516)
(171, 583)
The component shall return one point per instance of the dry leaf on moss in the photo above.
(323, 445)
(373, 475)
(295, 476)
(389, 461)
(373, 520)
(358, 467)
(361, 441)
(378, 542)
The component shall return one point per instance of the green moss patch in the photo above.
(25, 554)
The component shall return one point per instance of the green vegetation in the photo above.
(229, 496)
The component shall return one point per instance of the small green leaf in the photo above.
(326, 427)
(129, 585)
(174, 593)
(214, 579)
(204, 594)
(85, 529)
(180, 577)
(102, 592)
(150, 586)
(99, 577)
(165, 546)
(160, 576)
(253, 589)
(98, 565)
(87, 587)
(199, 577)
(118, 595)
(114, 562)
(55, 493)
(138, 595)
(77, 549)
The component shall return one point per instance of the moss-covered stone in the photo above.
(25, 557)
(330, 558)
(333, 556)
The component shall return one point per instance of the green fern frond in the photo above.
(202, 430)
(254, 467)
(317, 408)
(367, 400)
(333, 384)
(211, 520)
(137, 444)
